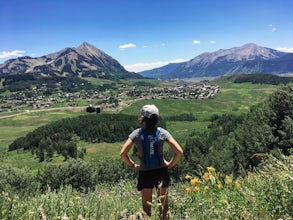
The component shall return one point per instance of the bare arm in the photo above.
(176, 148)
(124, 153)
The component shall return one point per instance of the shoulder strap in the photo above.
(158, 130)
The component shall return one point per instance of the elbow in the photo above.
(179, 152)
(122, 154)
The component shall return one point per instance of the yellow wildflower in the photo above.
(187, 190)
(228, 180)
(194, 181)
(188, 177)
(206, 176)
(237, 183)
(211, 169)
(198, 180)
(219, 186)
(206, 187)
(195, 189)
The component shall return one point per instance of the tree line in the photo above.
(262, 78)
(62, 136)
(22, 82)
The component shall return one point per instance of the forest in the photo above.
(263, 79)
(62, 136)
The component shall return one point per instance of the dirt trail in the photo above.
(79, 108)
(117, 109)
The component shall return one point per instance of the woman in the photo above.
(152, 166)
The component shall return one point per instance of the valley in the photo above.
(43, 98)
(231, 98)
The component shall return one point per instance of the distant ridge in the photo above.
(249, 58)
(255, 78)
(84, 60)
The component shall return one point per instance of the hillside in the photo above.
(249, 58)
(255, 78)
(205, 177)
(220, 144)
(84, 60)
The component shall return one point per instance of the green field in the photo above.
(232, 98)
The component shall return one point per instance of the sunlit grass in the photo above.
(98, 151)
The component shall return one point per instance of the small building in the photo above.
(92, 109)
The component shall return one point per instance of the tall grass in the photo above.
(262, 193)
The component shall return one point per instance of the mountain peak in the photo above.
(85, 60)
(250, 51)
(87, 46)
(251, 45)
(249, 58)
(88, 50)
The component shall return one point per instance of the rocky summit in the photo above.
(249, 58)
(84, 60)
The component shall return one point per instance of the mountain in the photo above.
(85, 60)
(249, 58)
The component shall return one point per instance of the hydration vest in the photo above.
(150, 147)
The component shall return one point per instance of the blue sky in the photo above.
(143, 34)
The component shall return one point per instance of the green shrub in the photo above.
(17, 180)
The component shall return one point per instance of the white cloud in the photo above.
(14, 53)
(212, 41)
(285, 49)
(138, 67)
(126, 46)
(196, 42)
(272, 28)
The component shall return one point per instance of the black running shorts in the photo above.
(153, 178)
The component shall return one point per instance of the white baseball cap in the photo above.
(148, 110)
